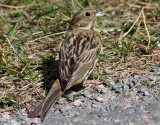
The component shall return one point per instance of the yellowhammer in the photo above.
(78, 55)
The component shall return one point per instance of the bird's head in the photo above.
(85, 19)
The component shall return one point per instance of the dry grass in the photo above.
(31, 34)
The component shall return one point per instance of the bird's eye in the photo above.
(87, 14)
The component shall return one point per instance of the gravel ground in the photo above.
(111, 103)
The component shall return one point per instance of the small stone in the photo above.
(33, 123)
(87, 95)
(77, 103)
(118, 56)
(5, 116)
(146, 93)
(139, 87)
(95, 106)
(107, 71)
(120, 90)
(142, 89)
(125, 87)
(112, 106)
(2, 120)
(70, 98)
(99, 90)
(64, 110)
(158, 46)
(93, 97)
(99, 99)
(112, 83)
(75, 120)
(114, 87)
(131, 84)
(125, 81)
(131, 123)
(22, 110)
(104, 91)
(154, 69)
(117, 121)
(157, 81)
(136, 76)
(5, 124)
(151, 78)
(14, 122)
(134, 90)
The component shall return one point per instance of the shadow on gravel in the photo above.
(50, 74)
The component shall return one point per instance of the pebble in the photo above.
(77, 103)
(154, 69)
(93, 97)
(112, 83)
(96, 106)
(108, 71)
(134, 90)
(136, 76)
(152, 78)
(114, 87)
(139, 87)
(112, 106)
(158, 46)
(118, 56)
(2, 120)
(104, 91)
(64, 111)
(120, 90)
(5, 116)
(75, 120)
(157, 81)
(144, 91)
(125, 87)
(131, 84)
(107, 83)
(87, 94)
(99, 99)
(99, 90)
(14, 122)
(131, 123)
(70, 98)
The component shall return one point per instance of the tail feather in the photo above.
(42, 109)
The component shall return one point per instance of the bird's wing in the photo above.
(78, 55)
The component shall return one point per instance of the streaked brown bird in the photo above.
(78, 55)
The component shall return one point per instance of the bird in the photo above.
(78, 56)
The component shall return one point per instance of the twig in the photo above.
(132, 87)
(73, 4)
(131, 26)
(143, 72)
(13, 7)
(47, 36)
(144, 20)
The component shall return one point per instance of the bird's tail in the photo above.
(53, 96)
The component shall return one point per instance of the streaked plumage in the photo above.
(78, 55)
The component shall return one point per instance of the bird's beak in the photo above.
(100, 14)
